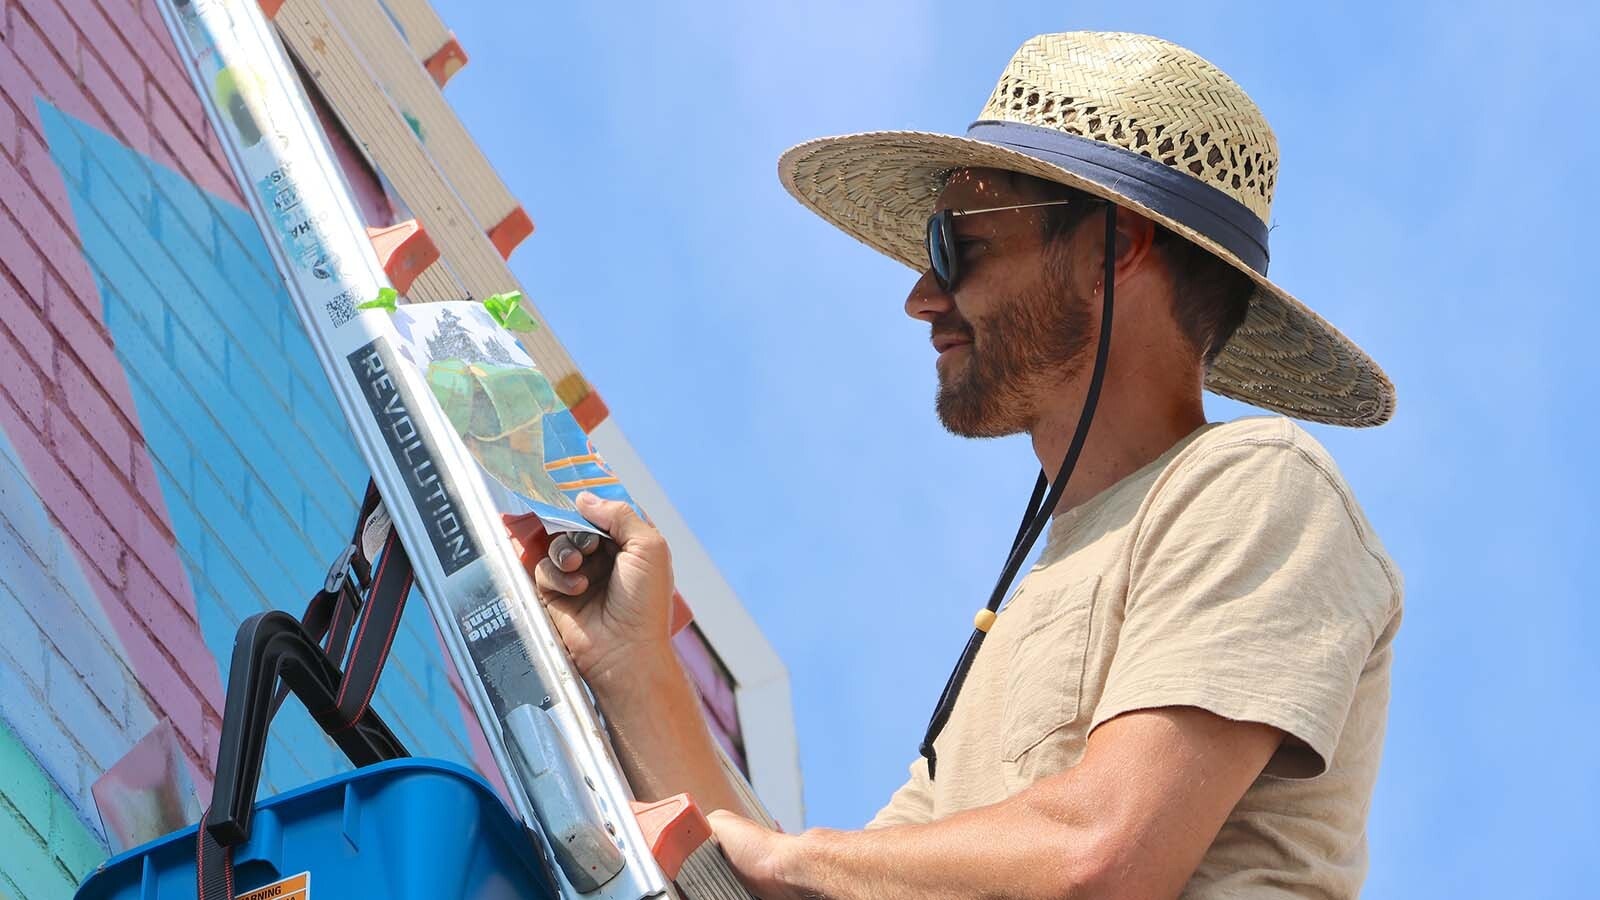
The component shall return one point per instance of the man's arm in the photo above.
(1132, 819)
(611, 603)
(658, 729)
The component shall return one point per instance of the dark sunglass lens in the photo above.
(939, 250)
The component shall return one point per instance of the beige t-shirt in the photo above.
(1235, 574)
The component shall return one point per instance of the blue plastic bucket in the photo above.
(407, 829)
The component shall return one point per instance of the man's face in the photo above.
(1017, 325)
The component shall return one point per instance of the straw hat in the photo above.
(1150, 126)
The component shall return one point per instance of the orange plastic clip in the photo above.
(446, 61)
(674, 828)
(511, 231)
(404, 251)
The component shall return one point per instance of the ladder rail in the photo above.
(440, 508)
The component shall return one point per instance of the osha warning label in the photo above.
(295, 887)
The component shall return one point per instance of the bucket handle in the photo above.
(269, 646)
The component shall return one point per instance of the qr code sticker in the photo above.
(342, 308)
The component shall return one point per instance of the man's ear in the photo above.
(1136, 237)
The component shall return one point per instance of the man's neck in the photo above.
(1135, 423)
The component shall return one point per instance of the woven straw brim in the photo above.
(880, 188)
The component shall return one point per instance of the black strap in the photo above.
(305, 654)
(332, 611)
(380, 620)
(1038, 514)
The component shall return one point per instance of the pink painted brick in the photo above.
(54, 241)
(28, 443)
(81, 524)
(219, 159)
(187, 154)
(47, 232)
(75, 315)
(68, 444)
(106, 485)
(22, 385)
(88, 531)
(91, 351)
(27, 326)
(157, 57)
(145, 480)
(173, 664)
(46, 175)
(20, 259)
(100, 417)
(170, 617)
(16, 83)
(181, 94)
(121, 109)
(157, 542)
(153, 23)
(214, 149)
(103, 40)
(213, 735)
(175, 626)
(168, 692)
(167, 571)
(54, 80)
(9, 126)
(52, 22)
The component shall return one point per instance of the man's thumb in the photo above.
(614, 518)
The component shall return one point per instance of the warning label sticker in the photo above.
(295, 887)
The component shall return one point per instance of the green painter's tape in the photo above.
(386, 300)
(507, 310)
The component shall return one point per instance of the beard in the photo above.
(1025, 348)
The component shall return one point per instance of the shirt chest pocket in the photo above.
(1045, 673)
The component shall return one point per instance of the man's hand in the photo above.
(754, 853)
(610, 602)
(612, 605)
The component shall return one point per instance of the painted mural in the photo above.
(243, 485)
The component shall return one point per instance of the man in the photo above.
(1187, 694)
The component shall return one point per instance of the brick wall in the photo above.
(169, 461)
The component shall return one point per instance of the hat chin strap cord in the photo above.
(1041, 506)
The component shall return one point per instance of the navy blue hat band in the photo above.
(1151, 184)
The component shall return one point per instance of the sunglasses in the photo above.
(944, 260)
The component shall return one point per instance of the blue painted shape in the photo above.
(409, 829)
(260, 491)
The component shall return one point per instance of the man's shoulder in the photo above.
(1268, 432)
(1270, 461)
(1273, 446)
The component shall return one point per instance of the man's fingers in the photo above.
(565, 553)
(550, 579)
(616, 519)
(568, 549)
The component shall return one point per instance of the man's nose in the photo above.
(926, 300)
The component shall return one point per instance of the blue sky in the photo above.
(1432, 203)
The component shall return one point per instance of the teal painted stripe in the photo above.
(45, 849)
